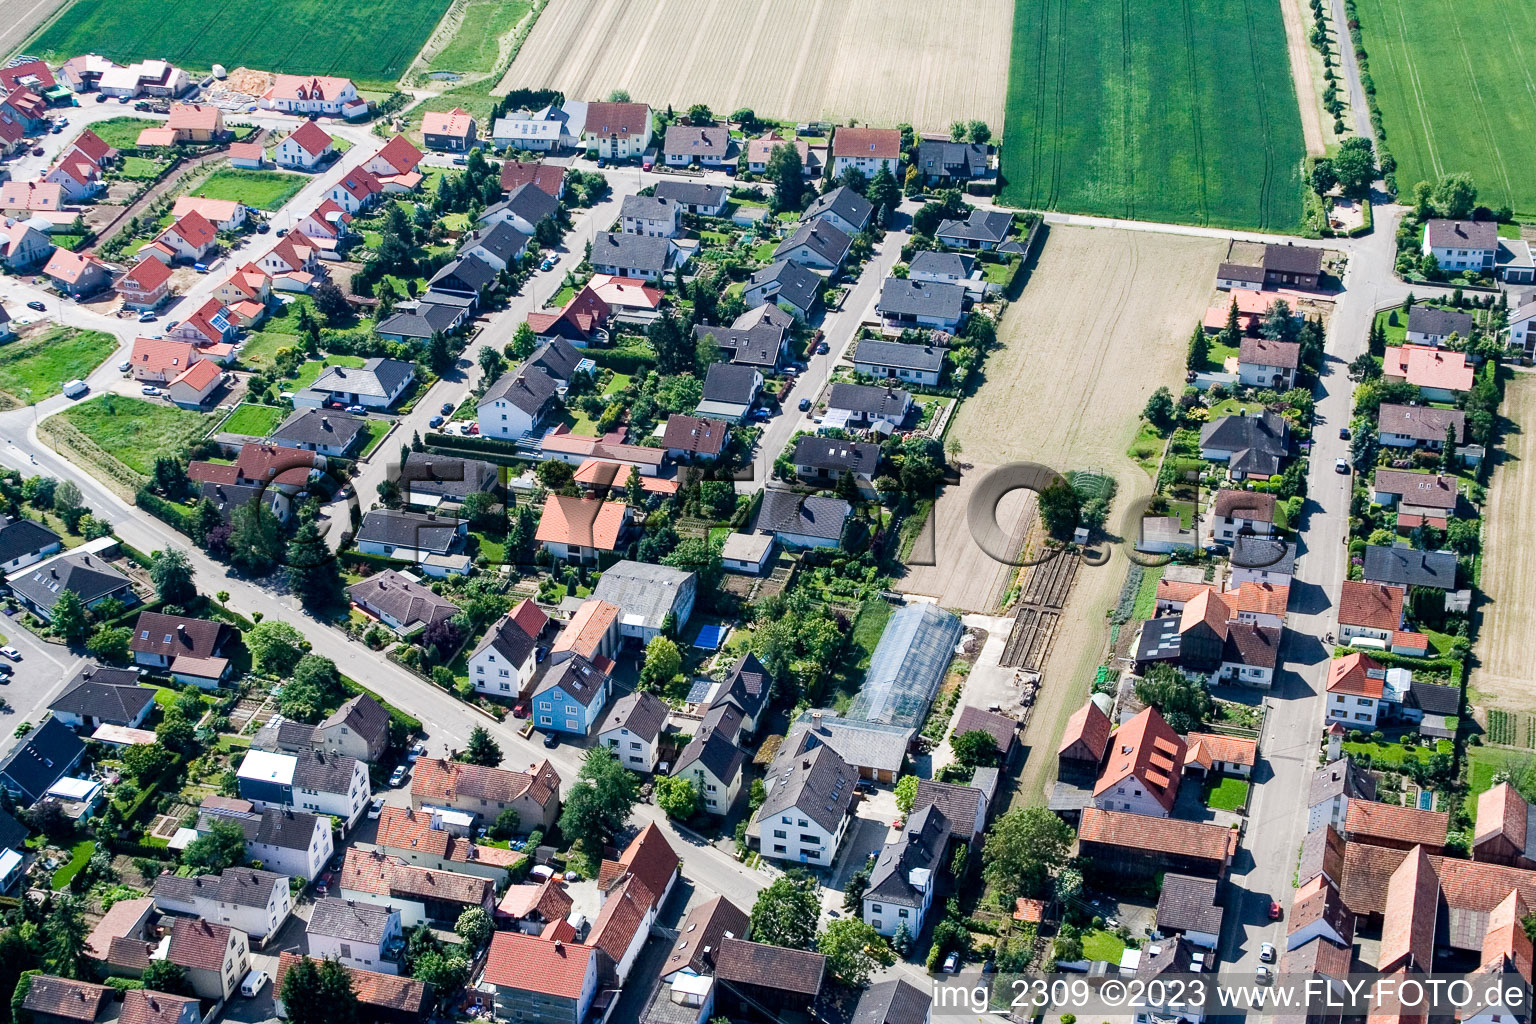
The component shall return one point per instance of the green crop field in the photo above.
(1151, 111)
(36, 369)
(1455, 86)
(263, 190)
(477, 43)
(371, 41)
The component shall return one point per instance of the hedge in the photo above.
(378, 561)
(411, 722)
(129, 848)
(495, 458)
(472, 443)
(167, 512)
(628, 359)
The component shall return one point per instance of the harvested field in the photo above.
(793, 59)
(1503, 676)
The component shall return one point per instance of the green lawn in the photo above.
(139, 168)
(37, 369)
(1228, 793)
(310, 370)
(79, 855)
(134, 431)
(376, 430)
(1454, 88)
(1146, 594)
(123, 132)
(867, 627)
(1102, 945)
(474, 47)
(1485, 762)
(263, 190)
(254, 420)
(1146, 111)
(475, 97)
(292, 36)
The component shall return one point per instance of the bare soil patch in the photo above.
(1308, 94)
(793, 59)
(1503, 677)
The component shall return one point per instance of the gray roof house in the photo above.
(861, 407)
(706, 145)
(1252, 446)
(941, 267)
(825, 459)
(907, 303)
(1407, 426)
(651, 215)
(695, 197)
(464, 276)
(625, 255)
(904, 877)
(100, 695)
(818, 244)
(399, 603)
(807, 522)
(842, 207)
(1403, 566)
(762, 346)
(419, 324)
(983, 229)
(327, 431)
(43, 757)
(523, 208)
(785, 283)
(646, 594)
(897, 1001)
(1430, 326)
(940, 160)
(432, 480)
(729, 391)
(24, 541)
(1187, 905)
(558, 358)
(529, 390)
(497, 244)
(811, 790)
(921, 364)
(87, 575)
(874, 749)
(405, 535)
(377, 384)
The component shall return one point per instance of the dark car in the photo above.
(35, 304)
(552, 740)
(435, 422)
(101, 97)
(805, 404)
(447, 408)
(263, 228)
(1344, 433)
(521, 710)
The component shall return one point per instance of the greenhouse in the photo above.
(907, 666)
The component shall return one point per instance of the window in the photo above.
(902, 912)
(804, 823)
(1363, 702)
(876, 924)
(877, 908)
(779, 833)
(634, 745)
(778, 848)
(346, 950)
(613, 743)
(806, 837)
(570, 723)
(710, 788)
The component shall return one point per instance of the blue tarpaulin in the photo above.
(709, 638)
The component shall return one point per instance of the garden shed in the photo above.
(907, 666)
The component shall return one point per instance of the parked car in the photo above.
(1274, 910)
(101, 97)
(35, 304)
(1343, 433)
(37, 150)
(521, 710)
(1340, 466)
(548, 264)
(397, 777)
(147, 317)
(418, 750)
(601, 163)
(447, 409)
(357, 410)
(263, 228)
(125, 365)
(281, 232)
(253, 984)
(952, 963)
(552, 740)
(1264, 974)
(149, 389)
(823, 348)
(435, 422)
(805, 405)
(123, 100)
(376, 808)
(461, 161)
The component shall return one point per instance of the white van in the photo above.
(76, 388)
(253, 984)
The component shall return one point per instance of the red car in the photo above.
(1274, 910)
(520, 710)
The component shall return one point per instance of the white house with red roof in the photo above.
(395, 165)
(76, 175)
(357, 190)
(293, 263)
(191, 238)
(1439, 374)
(32, 74)
(247, 156)
(314, 94)
(224, 214)
(207, 327)
(306, 148)
(24, 198)
(28, 107)
(24, 243)
(192, 388)
(327, 226)
(13, 134)
(76, 275)
(246, 293)
(161, 360)
(1355, 686)
(90, 146)
(453, 131)
(146, 285)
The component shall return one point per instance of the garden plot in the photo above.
(883, 61)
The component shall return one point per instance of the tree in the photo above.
(166, 976)
(547, 232)
(1059, 508)
(1159, 409)
(67, 953)
(675, 350)
(110, 644)
(1022, 850)
(663, 661)
(443, 972)
(601, 802)
(1355, 165)
(906, 793)
(523, 342)
(313, 691)
(1183, 702)
(975, 748)
(677, 796)
(1448, 458)
(491, 362)
(506, 825)
(474, 926)
(1364, 368)
(1199, 349)
(481, 749)
(312, 571)
(275, 647)
(1455, 196)
(205, 518)
(786, 912)
(1423, 200)
(146, 761)
(69, 616)
(979, 133)
(439, 354)
(319, 992)
(787, 172)
(853, 950)
(255, 538)
(1323, 177)
(1364, 445)
(69, 504)
(883, 193)
(222, 847)
(331, 302)
(1279, 323)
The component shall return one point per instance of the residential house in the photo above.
(216, 957)
(28, 108)
(293, 843)
(358, 729)
(1440, 375)
(980, 231)
(865, 738)
(1142, 845)
(262, 465)
(762, 347)
(817, 244)
(631, 729)
(649, 597)
(1355, 685)
(1429, 325)
(800, 521)
(256, 902)
(1083, 743)
(419, 324)
(1187, 907)
(454, 131)
(20, 199)
(307, 148)
(92, 580)
(381, 998)
(943, 163)
(150, 78)
(146, 1006)
(198, 123)
(1406, 567)
(1522, 330)
(189, 239)
(577, 529)
(622, 926)
(1003, 730)
(917, 364)
(25, 541)
(1335, 786)
(76, 276)
(33, 74)
(24, 243)
(1395, 826)
(571, 696)
(618, 131)
(426, 840)
(785, 284)
(936, 267)
(1206, 753)
(903, 880)
(760, 151)
(1420, 426)
(582, 321)
(524, 208)
(54, 1000)
(99, 695)
(1370, 611)
(761, 983)
(629, 298)
(418, 894)
(395, 165)
(824, 461)
(1425, 494)
(1462, 244)
(190, 650)
(639, 256)
(866, 150)
(314, 94)
(694, 438)
(1145, 764)
(651, 216)
(506, 658)
(246, 293)
(247, 156)
(1253, 447)
(905, 304)
(1263, 363)
(43, 757)
(194, 387)
(328, 432)
(534, 981)
(359, 935)
(542, 131)
(1241, 513)
(486, 792)
(964, 805)
(517, 404)
(378, 384)
(292, 264)
(862, 407)
(401, 604)
(713, 760)
(707, 146)
(808, 806)
(146, 286)
(309, 780)
(499, 245)
(357, 190)
(1215, 635)
(327, 229)
(730, 391)
(548, 178)
(692, 196)
(896, 1001)
(433, 481)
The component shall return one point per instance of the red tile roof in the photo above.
(624, 913)
(433, 779)
(1090, 725)
(1356, 674)
(311, 138)
(194, 228)
(62, 997)
(384, 875)
(1408, 922)
(199, 944)
(618, 119)
(1501, 811)
(142, 1006)
(1506, 936)
(1372, 605)
(529, 964)
(399, 154)
(1165, 835)
(545, 177)
(585, 631)
(1428, 367)
(530, 617)
(1367, 820)
(1207, 747)
(372, 987)
(581, 522)
(199, 375)
(882, 143)
(1427, 490)
(146, 277)
(246, 151)
(455, 122)
(1148, 749)
(91, 145)
(163, 356)
(648, 857)
(194, 117)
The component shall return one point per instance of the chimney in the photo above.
(559, 947)
(181, 629)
